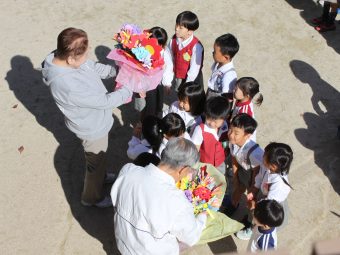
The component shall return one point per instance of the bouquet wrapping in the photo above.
(139, 59)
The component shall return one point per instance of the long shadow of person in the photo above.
(320, 134)
(308, 11)
(26, 83)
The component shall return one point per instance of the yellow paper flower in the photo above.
(186, 56)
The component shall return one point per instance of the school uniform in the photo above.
(262, 240)
(240, 154)
(222, 80)
(210, 142)
(187, 59)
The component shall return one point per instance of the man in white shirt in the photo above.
(151, 214)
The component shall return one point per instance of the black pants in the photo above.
(154, 102)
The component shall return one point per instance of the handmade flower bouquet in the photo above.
(201, 190)
(205, 191)
(138, 57)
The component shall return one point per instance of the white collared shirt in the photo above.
(240, 154)
(137, 146)
(223, 79)
(151, 213)
(196, 58)
(168, 68)
(197, 136)
(272, 185)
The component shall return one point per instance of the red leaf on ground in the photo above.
(21, 149)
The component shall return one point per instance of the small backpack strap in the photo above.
(254, 147)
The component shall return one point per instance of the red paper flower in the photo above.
(203, 193)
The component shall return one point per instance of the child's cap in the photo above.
(269, 212)
(245, 122)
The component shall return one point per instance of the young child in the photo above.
(268, 215)
(210, 135)
(246, 89)
(223, 78)
(190, 104)
(272, 180)
(246, 157)
(152, 104)
(154, 133)
(187, 51)
(327, 20)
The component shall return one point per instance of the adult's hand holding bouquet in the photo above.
(138, 57)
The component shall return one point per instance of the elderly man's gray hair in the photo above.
(179, 152)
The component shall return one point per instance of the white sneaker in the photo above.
(106, 202)
(110, 178)
(244, 234)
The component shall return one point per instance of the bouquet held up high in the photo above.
(138, 57)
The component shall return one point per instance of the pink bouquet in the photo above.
(202, 191)
(139, 59)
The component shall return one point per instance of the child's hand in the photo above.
(250, 196)
(142, 94)
(137, 131)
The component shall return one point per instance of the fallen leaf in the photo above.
(15, 106)
(21, 149)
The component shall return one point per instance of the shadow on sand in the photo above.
(309, 10)
(322, 126)
(26, 83)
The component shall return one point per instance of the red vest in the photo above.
(211, 150)
(182, 57)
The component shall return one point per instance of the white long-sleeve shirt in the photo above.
(137, 146)
(272, 185)
(168, 68)
(223, 79)
(196, 57)
(151, 213)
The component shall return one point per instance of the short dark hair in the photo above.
(195, 94)
(188, 20)
(279, 154)
(250, 87)
(269, 212)
(217, 107)
(146, 158)
(173, 125)
(160, 34)
(228, 44)
(245, 122)
(71, 42)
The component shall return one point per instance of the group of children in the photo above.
(220, 122)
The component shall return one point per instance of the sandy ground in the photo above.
(40, 187)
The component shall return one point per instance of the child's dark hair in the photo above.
(160, 34)
(194, 93)
(152, 131)
(173, 125)
(188, 19)
(280, 155)
(269, 212)
(146, 158)
(217, 107)
(245, 122)
(228, 44)
(250, 87)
